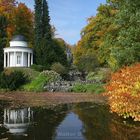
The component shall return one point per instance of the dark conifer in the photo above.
(46, 51)
(3, 38)
(38, 30)
(47, 33)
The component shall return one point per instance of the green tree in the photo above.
(44, 49)
(47, 49)
(88, 61)
(95, 35)
(127, 45)
(38, 29)
(60, 50)
(46, 27)
(113, 34)
(3, 38)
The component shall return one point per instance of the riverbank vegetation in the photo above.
(12, 80)
(124, 92)
(34, 81)
(88, 88)
(38, 84)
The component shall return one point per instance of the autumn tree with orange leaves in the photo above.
(7, 8)
(19, 17)
(23, 21)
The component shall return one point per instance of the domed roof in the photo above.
(18, 38)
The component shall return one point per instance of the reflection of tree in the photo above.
(1, 122)
(46, 122)
(121, 131)
(95, 120)
(98, 124)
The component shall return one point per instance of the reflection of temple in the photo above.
(17, 120)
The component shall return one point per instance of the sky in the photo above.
(69, 16)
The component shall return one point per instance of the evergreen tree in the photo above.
(46, 27)
(46, 50)
(3, 38)
(38, 29)
(43, 38)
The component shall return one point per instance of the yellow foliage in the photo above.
(124, 92)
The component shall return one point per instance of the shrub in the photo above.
(39, 68)
(124, 92)
(100, 75)
(12, 80)
(37, 84)
(89, 88)
(59, 68)
(41, 80)
(30, 73)
(87, 62)
(51, 75)
(90, 76)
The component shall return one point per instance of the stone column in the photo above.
(31, 58)
(28, 59)
(8, 60)
(5, 60)
(14, 59)
(22, 59)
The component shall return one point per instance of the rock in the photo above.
(62, 86)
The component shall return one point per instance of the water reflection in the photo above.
(70, 128)
(17, 120)
(95, 119)
(47, 120)
(84, 121)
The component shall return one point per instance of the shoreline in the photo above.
(21, 99)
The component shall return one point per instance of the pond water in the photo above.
(82, 121)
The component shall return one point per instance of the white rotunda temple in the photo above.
(18, 54)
